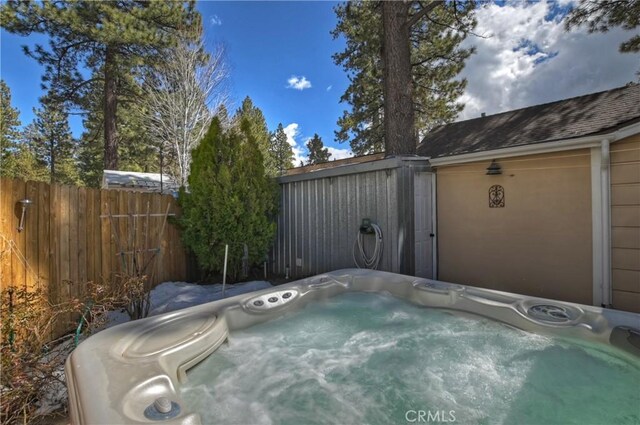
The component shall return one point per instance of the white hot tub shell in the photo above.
(117, 375)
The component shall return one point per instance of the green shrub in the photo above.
(230, 200)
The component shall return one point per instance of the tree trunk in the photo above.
(110, 108)
(399, 135)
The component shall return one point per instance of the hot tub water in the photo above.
(370, 358)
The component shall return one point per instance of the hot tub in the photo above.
(137, 372)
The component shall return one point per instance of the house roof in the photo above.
(134, 179)
(335, 163)
(592, 114)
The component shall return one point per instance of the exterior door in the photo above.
(423, 225)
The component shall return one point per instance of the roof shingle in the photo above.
(592, 114)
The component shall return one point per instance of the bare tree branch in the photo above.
(181, 98)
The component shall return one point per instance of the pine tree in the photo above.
(136, 148)
(317, 152)
(50, 140)
(258, 127)
(24, 165)
(9, 130)
(17, 160)
(111, 39)
(280, 151)
(90, 145)
(230, 199)
(433, 32)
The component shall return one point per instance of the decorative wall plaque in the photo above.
(496, 196)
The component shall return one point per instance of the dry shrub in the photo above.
(28, 364)
(135, 293)
(32, 363)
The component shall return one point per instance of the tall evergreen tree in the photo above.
(280, 151)
(230, 199)
(9, 129)
(107, 37)
(24, 165)
(258, 127)
(137, 150)
(317, 152)
(432, 32)
(91, 145)
(49, 137)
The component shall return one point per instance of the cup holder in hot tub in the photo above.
(437, 286)
(548, 313)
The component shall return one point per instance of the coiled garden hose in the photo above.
(369, 262)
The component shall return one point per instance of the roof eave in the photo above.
(538, 148)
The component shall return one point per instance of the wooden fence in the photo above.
(69, 240)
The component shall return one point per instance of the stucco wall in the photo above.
(539, 244)
(625, 223)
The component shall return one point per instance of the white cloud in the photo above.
(298, 83)
(299, 151)
(299, 148)
(215, 20)
(329, 88)
(337, 153)
(529, 59)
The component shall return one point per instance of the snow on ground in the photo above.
(171, 296)
(166, 297)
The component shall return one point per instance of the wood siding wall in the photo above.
(65, 243)
(625, 224)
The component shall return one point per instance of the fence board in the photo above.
(122, 242)
(116, 264)
(73, 241)
(82, 241)
(140, 208)
(96, 247)
(6, 222)
(64, 290)
(19, 238)
(105, 237)
(154, 236)
(42, 208)
(131, 223)
(31, 237)
(63, 247)
(54, 251)
(66, 243)
(166, 249)
(17, 265)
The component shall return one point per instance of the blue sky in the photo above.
(267, 43)
(527, 58)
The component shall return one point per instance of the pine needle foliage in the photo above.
(437, 58)
(317, 152)
(281, 152)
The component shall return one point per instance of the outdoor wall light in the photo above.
(494, 169)
(25, 203)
